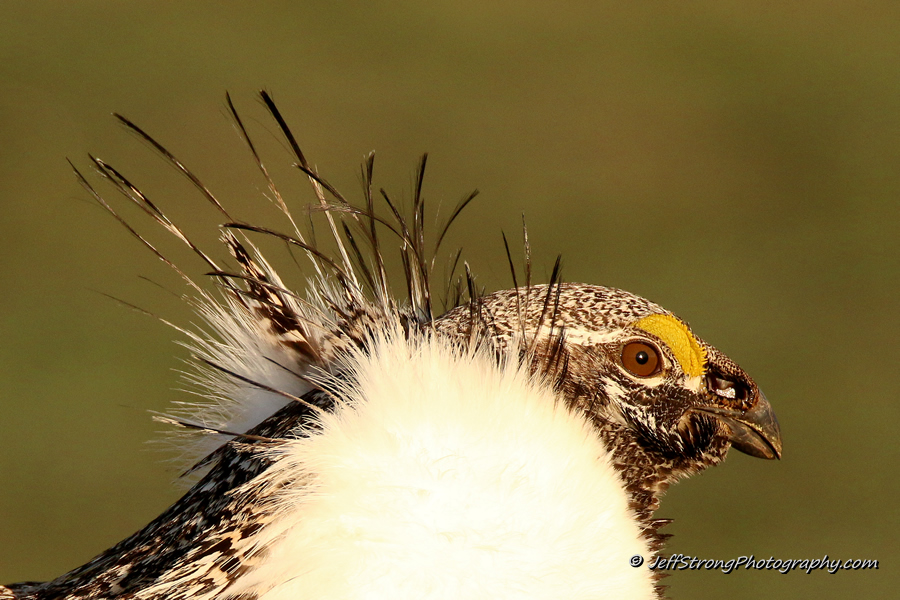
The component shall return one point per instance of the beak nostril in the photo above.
(736, 392)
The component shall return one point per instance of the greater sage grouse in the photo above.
(360, 446)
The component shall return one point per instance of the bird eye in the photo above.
(640, 359)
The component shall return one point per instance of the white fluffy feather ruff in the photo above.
(442, 475)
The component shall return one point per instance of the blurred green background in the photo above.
(739, 163)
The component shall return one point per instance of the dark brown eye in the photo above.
(640, 359)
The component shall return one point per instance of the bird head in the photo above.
(666, 403)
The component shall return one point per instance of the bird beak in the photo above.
(754, 432)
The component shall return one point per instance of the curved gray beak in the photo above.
(754, 432)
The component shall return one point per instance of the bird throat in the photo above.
(645, 473)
